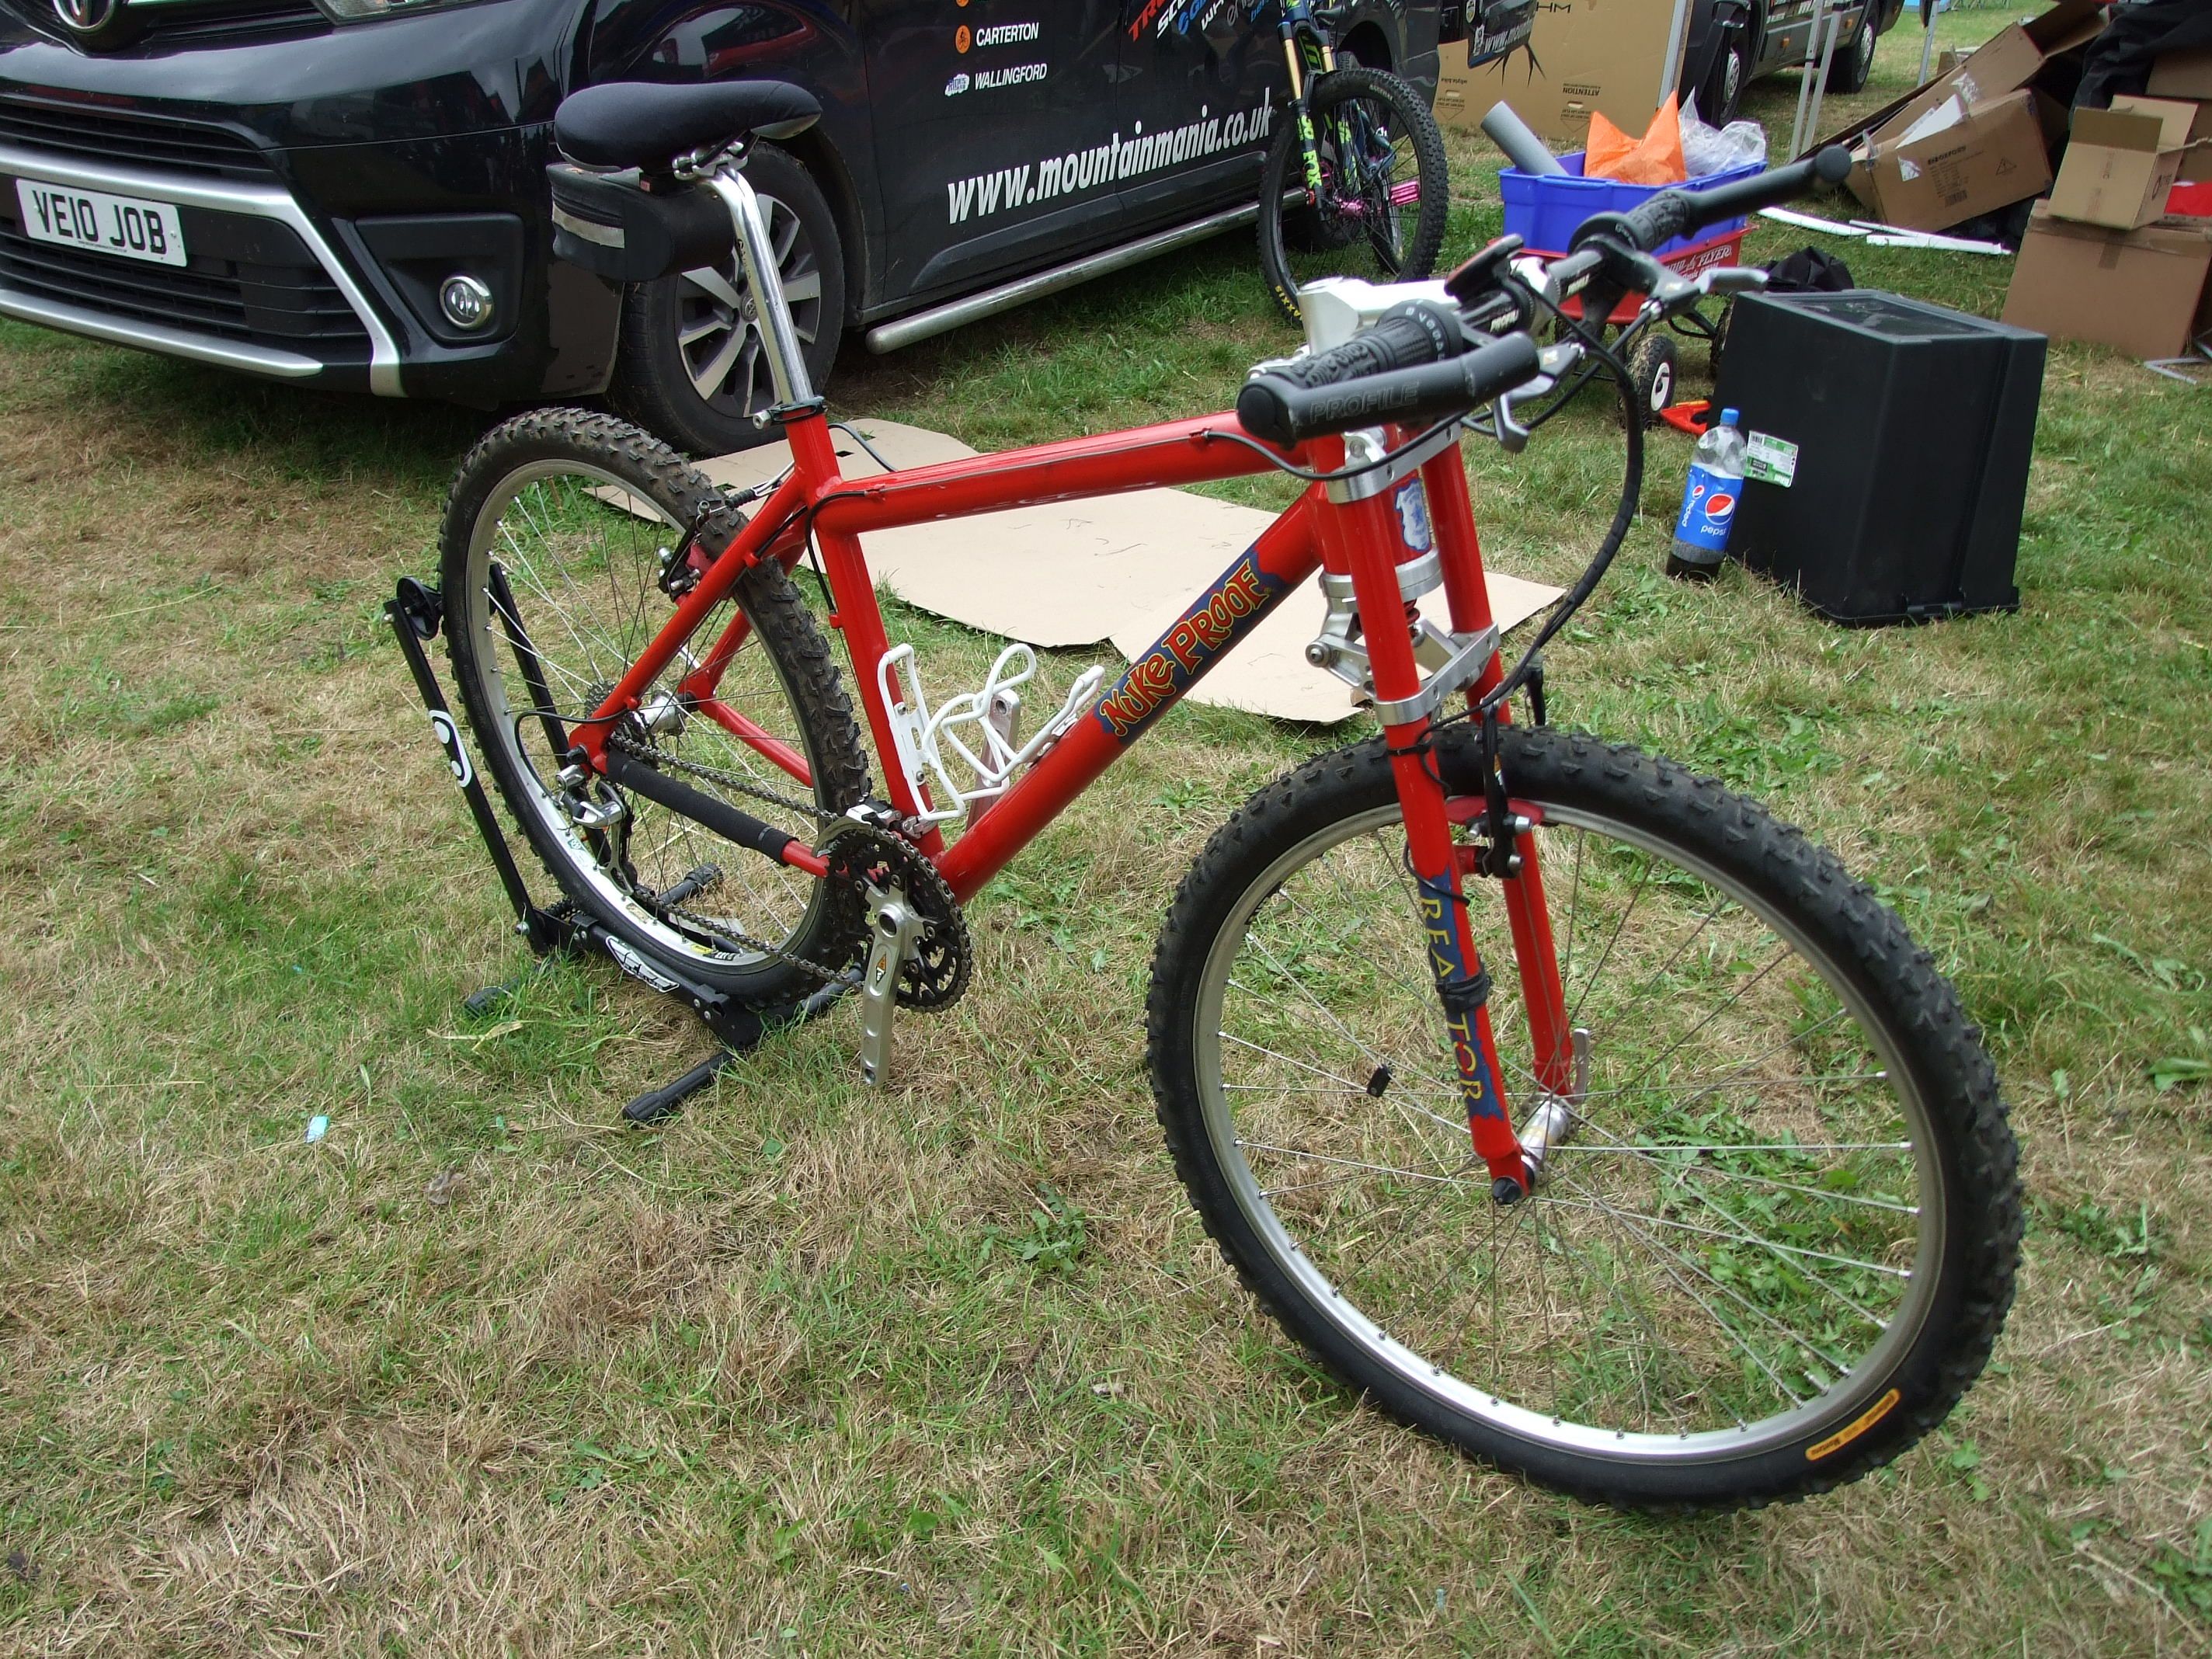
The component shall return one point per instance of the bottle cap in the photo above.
(1730, 416)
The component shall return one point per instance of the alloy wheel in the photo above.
(719, 324)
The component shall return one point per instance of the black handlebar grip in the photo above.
(1273, 407)
(1406, 335)
(1674, 213)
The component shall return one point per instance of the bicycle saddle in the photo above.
(642, 123)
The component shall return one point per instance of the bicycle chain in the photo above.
(738, 781)
(938, 976)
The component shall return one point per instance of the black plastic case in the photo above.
(1913, 427)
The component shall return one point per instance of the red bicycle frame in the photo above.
(1360, 538)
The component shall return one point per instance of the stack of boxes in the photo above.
(1979, 137)
(2107, 258)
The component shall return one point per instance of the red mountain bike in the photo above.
(1568, 1106)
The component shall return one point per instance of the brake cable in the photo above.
(1616, 535)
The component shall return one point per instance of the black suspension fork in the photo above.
(1307, 55)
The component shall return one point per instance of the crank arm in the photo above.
(893, 929)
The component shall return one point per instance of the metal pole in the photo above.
(1815, 84)
(786, 363)
(1927, 38)
(1670, 71)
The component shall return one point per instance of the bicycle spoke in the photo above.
(1635, 898)
(582, 542)
(1629, 1219)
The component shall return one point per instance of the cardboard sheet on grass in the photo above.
(1118, 569)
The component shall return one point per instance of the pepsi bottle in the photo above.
(1709, 499)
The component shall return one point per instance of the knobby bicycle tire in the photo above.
(1320, 228)
(1263, 979)
(561, 499)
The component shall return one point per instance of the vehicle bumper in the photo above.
(32, 289)
(311, 261)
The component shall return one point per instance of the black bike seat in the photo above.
(642, 123)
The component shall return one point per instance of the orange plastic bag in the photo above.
(1654, 159)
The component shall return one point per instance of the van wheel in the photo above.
(1854, 58)
(691, 366)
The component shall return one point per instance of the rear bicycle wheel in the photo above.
(555, 538)
(1384, 189)
(1778, 1238)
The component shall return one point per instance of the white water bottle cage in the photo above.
(923, 737)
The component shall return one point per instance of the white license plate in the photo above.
(122, 225)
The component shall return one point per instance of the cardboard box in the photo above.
(2017, 56)
(1980, 160)
(2140, 291)
(1585, 55)
(2121, 161)
(2196, 160)
(2182, 75)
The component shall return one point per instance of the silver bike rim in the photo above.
(1859, 1384)
(763, 891)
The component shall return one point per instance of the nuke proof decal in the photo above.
(1098, 167)
(1217, 620)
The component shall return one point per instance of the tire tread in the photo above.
(780, 616)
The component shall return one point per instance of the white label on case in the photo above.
(1770, 459)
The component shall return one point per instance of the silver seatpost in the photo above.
(786, 365)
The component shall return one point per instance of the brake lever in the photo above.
(1554, 362)
(1679, 294)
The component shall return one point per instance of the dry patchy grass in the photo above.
(780, 1378)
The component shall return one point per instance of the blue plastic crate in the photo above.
(1546, 212)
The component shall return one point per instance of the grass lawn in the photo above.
(952, 1368)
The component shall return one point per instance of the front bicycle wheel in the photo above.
(557, 532)
(1777, 1237)
(1384, 193)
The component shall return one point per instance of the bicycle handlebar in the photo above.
(1421, 360)
(1674, 213)
(1417, 363)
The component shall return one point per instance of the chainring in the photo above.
(944, 960)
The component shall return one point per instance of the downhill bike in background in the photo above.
(1568, 1106)
(1356, 182)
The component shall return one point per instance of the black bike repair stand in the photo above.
(417, 614)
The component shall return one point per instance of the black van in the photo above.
(1732, 43)
(351, 193)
